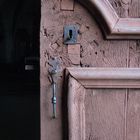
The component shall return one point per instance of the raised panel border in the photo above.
(106, 77)
(112, 25)
(81, 79)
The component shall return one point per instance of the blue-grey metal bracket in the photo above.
(54, 71)
(70, 34)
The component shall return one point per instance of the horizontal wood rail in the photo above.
(113, 26)
(107, 77)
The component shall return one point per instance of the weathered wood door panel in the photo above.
(115, 112)
(133, 115)
(93, 112)
(105, 118)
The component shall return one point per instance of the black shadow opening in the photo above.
(20, 69)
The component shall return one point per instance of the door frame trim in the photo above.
(112, 25)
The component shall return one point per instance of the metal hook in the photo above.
(54, 100)
(54, 70)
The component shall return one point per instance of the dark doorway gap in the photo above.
(20, 69)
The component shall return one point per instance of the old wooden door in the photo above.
(92, 112)
(109, 34)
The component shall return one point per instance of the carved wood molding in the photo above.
(76, 111)
(107, 77)
(80, 79)
(113, 26)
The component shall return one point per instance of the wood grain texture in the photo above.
(76, 110)
(133, 97)
(107, 77)
(133, 115)
(96, 114)
(121, 7)
(95, 52)
(114, 27)
(104, 111)
(99, 53)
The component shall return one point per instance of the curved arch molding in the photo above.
(112, 25)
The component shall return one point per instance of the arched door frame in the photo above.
(112, 25)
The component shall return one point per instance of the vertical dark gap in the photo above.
(125, 113)
(20, 69)
(65, 107)
(126, 94)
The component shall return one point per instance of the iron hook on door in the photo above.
(54, 72)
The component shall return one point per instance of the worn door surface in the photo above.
(111, 114)
(92, 112)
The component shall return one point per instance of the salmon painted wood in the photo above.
(113, 26)
(83, 79)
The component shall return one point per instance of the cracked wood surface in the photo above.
(90, 117)
(114, 27)
(104, 111)
(94, 52)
